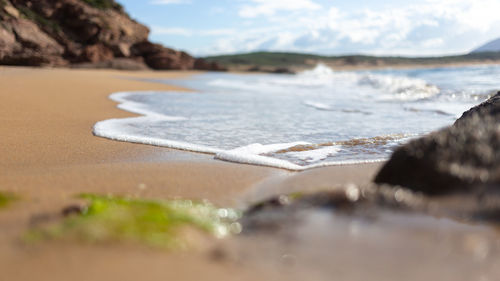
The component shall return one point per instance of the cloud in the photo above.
(271, 7)
(425, 27)
(432, 43)
(168, 2)
(477, 15)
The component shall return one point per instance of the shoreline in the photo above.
(368, 67)
(50, 156)
(414, 66)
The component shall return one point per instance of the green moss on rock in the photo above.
(151, 222)
(6, 198)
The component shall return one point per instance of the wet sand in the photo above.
(49, 155)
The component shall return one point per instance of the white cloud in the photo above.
(270, 7)
(477, 15)
(168, 2)
(430, 26)
(422, 28)
(432, 43)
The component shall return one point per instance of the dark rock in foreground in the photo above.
(490, 107)
(464, 157)
(65, 32)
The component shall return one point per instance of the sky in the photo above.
(328, 27)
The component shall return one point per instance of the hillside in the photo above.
(492, 46)
(84, 33)
(282, 62)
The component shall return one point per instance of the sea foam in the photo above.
(316, 118)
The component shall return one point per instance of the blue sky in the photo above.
(332, 27)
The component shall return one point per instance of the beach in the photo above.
(249, 140)
(49, 156)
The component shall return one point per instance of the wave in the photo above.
(402, 88)
(258, 119)
(257, 154)
(389, 86)
(383, 87)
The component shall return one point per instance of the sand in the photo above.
(49, 155)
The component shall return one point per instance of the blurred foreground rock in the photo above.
(64, 32)
(464, 157)
(489, 108)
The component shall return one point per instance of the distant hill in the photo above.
(492, 46)
(291, 62)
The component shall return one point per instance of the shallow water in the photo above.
(315, 118)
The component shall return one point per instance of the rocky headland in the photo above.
(83, 33)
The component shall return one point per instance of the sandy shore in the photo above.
(49, 155)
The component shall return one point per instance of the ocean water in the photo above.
(315, 118)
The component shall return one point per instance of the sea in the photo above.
(315, 118)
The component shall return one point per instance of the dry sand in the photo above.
(49, 155)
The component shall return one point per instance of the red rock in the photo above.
(32, 37)
(97, 53)
(58, 32)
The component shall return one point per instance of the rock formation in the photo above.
(490, 107)
(64, 32)
(464, 157)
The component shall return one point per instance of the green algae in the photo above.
(6, 199)
(158, 223)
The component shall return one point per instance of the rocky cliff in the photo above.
(82, 32)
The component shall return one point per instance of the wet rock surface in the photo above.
(367, 202)
(63, 32)
(350, 200)
(464, 157)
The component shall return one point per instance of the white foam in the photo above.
(254, 159)
(391, 86)
(257, 148)
(401, 88)
(317, 88)
(387, 87)
(116, 129)
(317, 105)
(250, 154)
(321, 70)
(140, 108)
(315, 155)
